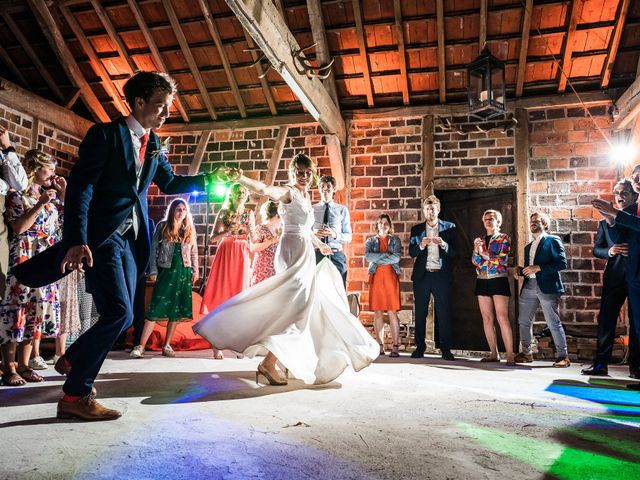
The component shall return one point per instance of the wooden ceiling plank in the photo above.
(155, 53)
(442, 77)
(191, 62)
(113, 35)
(402, 53)
(615, 43)
(565, 67)
(323, 54)
(12, 67)
(265, 24)
(213, 31)
(364, 56)
(26, 46)
(482, 38)
(524, 47)
(264, 83)
(95, 62)
(54, 36)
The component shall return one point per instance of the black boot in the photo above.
(598, 369)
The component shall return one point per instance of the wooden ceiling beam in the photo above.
(54, 36)
(442, 75)
(565, 67)
(12, 67)
(113, 34)
(607, 69)
(364, 56)
(323, 54)
(265, 24)
(628, 106)
(245, 124)
(524, 47)
(155, 53)
(483, 24)
(188, 56)
(26, 46)
(264, 83)
(402, 52)
(213, 31)
(95, 62)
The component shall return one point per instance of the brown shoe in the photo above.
(87, 409)
(562, 362)
(62, 366)
(523, 358)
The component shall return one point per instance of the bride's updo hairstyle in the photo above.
(302, 161)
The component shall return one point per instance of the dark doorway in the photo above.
(465, 209)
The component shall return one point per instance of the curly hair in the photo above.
(144, 84)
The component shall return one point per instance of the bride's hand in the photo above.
(325, 249)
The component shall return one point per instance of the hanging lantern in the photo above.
(485, 86)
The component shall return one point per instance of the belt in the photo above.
(432, 270)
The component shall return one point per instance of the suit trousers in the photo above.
(339, 259)
(633, 290)
(437, 284)
(530, 298)
(613, 297)
(112, 282)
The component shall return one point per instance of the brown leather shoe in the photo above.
(87, 409)
(62, 366)
(523, 358)
(562, 362)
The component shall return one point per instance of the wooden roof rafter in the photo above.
(113, 35)
(524, 47)
(364, 56)
(614, 43)
(26, 46)
(264, 83)
(191, 61)
(402, 53)
(565, 67)
(54, 36)
(155, 53)
(95, 62)
(442, 77)
(482, 37)
(224, 58)
(323, 55)
(14, 69)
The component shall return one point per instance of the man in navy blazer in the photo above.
(614, 286)
(544, 259)
(433, 245)
(106, 232)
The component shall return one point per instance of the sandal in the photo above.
(394, 353)
(13, 380)
(490, 359)
(218, 355)
(30, 376)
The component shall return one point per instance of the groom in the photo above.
(105, 229)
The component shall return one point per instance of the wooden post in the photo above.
(194, 167)
(428, 156)
(522, 188)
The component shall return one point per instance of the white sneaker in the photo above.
(167, 351)
(137, 352)
(38, 363)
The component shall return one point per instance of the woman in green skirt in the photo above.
(174, 268)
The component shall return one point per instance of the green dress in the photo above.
(171, 297)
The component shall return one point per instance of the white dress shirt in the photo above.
(534, 248)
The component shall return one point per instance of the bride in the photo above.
(300, 315)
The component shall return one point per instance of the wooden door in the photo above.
(465, 209)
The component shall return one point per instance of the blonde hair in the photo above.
(495, 212)
(34, 160)
(431, 200)
(302, 160)
(268, 210)
(228, 200)
(186, 232)
(544, 218)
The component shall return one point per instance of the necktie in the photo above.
(143, 147)
(325, 220)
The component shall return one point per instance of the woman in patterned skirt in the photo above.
(30, 313)
(230, 271)
(174, 269)
(383, 252)
(264, 243)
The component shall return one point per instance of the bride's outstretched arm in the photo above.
(277, 194)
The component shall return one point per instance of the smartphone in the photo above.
(520, 269)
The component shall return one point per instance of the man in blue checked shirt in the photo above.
(332, 225)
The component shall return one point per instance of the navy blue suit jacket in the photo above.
(446, 231)
(627, 229)
(551, 258)
(101, 194)
(616, 269)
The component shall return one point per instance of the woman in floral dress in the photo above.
(174, 269)
(264, 243)
(30, 313)
(230, 271)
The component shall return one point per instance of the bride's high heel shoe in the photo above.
(266, 374)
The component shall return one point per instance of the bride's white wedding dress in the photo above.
(300, 314)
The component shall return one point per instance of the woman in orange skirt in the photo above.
(230, 271)
(383, 252)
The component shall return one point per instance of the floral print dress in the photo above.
(30, 313)
(263, 266)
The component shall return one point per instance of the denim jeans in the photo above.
(530, 298)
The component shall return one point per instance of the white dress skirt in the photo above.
(300, 314)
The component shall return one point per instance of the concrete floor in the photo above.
(193, 417)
